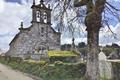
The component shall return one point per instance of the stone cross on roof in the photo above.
(21, 25)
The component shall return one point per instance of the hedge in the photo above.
(116, 70)
(62, 53)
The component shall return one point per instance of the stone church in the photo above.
(37, 39)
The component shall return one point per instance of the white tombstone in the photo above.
(104, 66)
(102, 56)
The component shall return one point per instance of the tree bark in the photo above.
(93, 21)
(92, 72)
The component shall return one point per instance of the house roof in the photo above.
(55, 31)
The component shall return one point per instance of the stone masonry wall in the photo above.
(37, 36)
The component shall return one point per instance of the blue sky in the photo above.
(12, 12)
(18, 1)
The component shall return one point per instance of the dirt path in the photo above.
(8, 74)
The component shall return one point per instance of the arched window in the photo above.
(38, 16)
(45, 17)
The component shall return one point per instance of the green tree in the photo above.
(114, 45)
(81, 45)
(66, 47)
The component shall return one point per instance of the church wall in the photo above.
(33, 39)
(17, 47)
(53, 40)
(39, 36)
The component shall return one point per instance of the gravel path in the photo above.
(7, 73)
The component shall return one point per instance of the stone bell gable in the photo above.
(39, 36)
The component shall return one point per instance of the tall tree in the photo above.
(93, 22)
(94, 19)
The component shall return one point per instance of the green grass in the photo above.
(57, 71)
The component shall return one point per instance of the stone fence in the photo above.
(34, 56)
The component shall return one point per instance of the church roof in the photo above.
(44, 7)
(55, 31)
(27, 29)
(16, 36)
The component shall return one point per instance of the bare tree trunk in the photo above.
(92, 72)
(93, 22)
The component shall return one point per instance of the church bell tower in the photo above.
(41, 13)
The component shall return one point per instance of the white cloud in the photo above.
(11, 14)
(4, 41)
(107, 37)
(1, 6)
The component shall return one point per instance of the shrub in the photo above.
(116, 70)
(61, 71)
(40, 63)
(62, 53)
